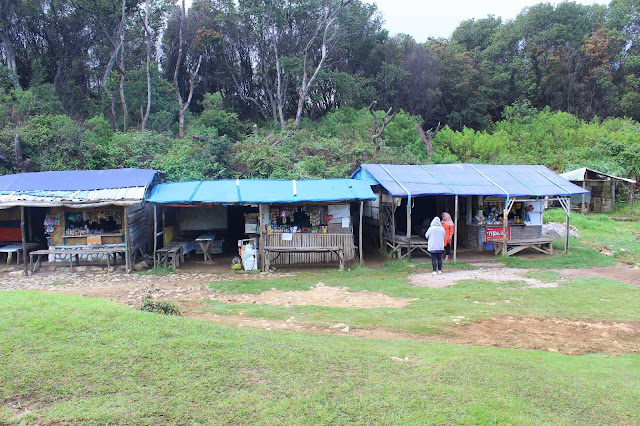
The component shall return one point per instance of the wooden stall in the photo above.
(603, 190)
(409, 196)
(90, 212)
(306, 233)
(306, 221)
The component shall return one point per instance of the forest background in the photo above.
(312, 88)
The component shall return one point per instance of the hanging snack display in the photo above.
(307, 219)
(93, 222)
(50, 222)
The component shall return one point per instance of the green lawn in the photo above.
(73, 360)
(604, 299)
(69, 359)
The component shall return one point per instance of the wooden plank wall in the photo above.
(140, 226)
(312, 240)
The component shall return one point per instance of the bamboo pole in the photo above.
(455, 232)
(24, 241)
(360, 233)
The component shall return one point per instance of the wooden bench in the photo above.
(543, 245)
(170, 253)
(338, 251)
(77, 252)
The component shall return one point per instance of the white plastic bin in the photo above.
(249, 258)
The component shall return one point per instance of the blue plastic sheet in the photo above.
(260, 191)
(77, 180)
(467, 179)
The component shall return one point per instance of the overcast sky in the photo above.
(424, 18)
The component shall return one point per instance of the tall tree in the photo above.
(8, 21)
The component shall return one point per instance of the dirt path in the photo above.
(190, 291)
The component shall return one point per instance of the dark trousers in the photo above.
(436, 260)
(447, 249)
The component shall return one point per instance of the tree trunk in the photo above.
(279, 90)
(329, 37)
(11, 60)
(147, 30)
(123, 101)
(175, 75)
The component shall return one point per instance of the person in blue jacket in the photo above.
(435, 237)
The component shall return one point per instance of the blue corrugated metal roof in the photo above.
(260, 191)
(467, 179)
(77, 180)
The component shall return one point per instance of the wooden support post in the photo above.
(455, 231)
(360, 248)
(584, 186)
(567, 205)
(24, 241)
(127, 243)
(505, 219)
(631, 187)
(381, 220)
(29, 225)
(393, 223)
(155, 234)
(409, 228)
(261, 237)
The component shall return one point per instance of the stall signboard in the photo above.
(496, 233)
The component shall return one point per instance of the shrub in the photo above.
(165, 308)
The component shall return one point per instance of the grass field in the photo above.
(73, 360)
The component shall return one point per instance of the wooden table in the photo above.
(339, 251)
(401, 242)
(16, 248)
(173, 253)
(205, 243)
(77, 251)
(543, 245)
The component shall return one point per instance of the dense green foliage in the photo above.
(558, 85)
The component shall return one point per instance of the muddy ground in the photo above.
(189, 291)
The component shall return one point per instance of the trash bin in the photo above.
(488, 246)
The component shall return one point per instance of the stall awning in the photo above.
(77, 180)
(260, 191)
(76, 188)
(466, 180)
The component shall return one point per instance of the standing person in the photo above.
(435, 236)
(449, 228)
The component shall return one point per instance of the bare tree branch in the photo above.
(427, 138)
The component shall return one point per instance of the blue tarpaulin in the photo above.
(260, 191)
(77, 180)
(466, 180)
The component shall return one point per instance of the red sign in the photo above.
(496, 233)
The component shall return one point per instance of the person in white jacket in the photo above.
(435, 236)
